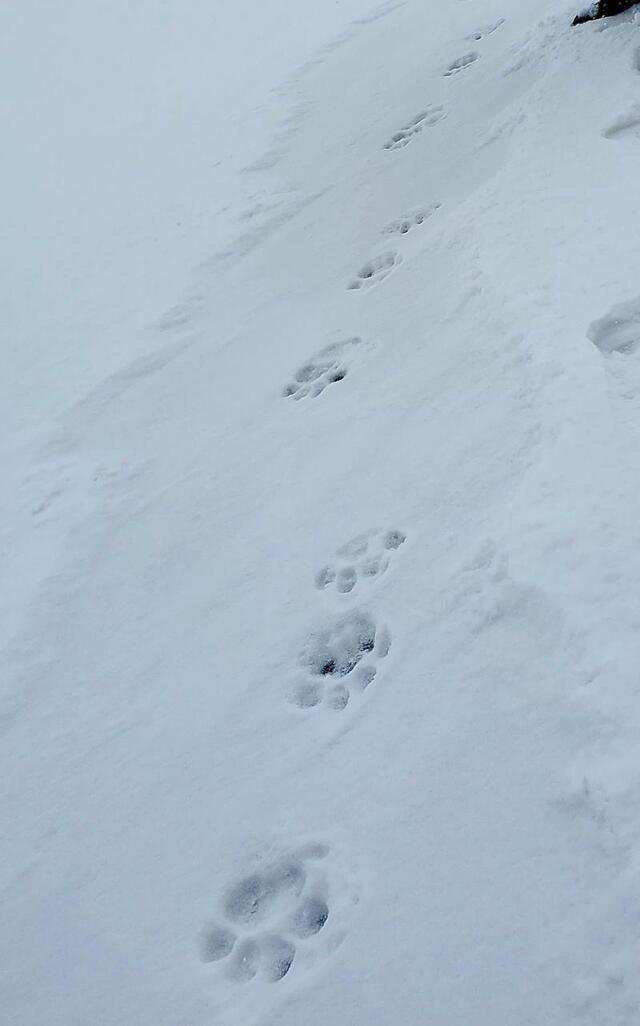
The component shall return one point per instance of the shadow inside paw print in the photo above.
(267, 915)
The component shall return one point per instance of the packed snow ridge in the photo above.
(321, 514)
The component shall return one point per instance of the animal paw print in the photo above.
(325, 368)
(364, 558)
(270, 922)
(340, 660)
(425, 119)
(626, 125)
(486, 30)
(404, 224)
(618, 331)
(461, 63)
(376, 270)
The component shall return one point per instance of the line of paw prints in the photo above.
(339, 660)
(381, 266)
(364, 557)
(269, 919)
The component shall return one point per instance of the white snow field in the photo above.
(320, 524)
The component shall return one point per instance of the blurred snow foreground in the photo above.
(320, 518)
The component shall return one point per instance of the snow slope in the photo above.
(320, 692)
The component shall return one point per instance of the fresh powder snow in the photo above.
(320, 626)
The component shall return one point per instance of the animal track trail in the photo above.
(375, 270)
(340, 660)
(279, 920)
(403, 225)
(426, 118)
(327, 367)
(461, 64)
(361, 560)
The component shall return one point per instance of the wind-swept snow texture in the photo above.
(320, 647)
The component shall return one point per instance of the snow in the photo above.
(320, 521)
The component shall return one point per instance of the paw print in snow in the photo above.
(627, 125)
(618, 332)
(486, 30)
(325, 368)
(340, 660)
(461, 64)
(278, 920)
(403, 225)
(364, 558)
(375, 270)
(425, 119)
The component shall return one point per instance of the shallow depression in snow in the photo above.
(619, 330)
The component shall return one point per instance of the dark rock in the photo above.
(604, 9)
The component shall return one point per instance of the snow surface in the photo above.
(321, 518)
